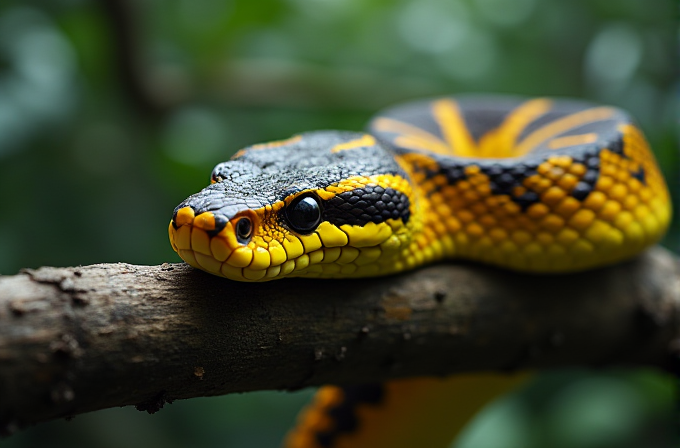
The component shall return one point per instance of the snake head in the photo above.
(320, 204)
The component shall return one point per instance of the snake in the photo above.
(541, 185)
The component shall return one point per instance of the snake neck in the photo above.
(429, 235)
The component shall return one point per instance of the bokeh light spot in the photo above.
(433, 26)
(595, 412)
(612, 56)
(195, 136)
(506, 12)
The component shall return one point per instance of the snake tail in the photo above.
(406, 413)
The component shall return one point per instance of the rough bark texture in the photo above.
(74, 340)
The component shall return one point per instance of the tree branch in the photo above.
(74, 340)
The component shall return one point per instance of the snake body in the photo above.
(533, 185)
(539, 185)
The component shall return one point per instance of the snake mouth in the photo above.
(211, 242)
(208, 241)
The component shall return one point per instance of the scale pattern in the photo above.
(368, 204)
(534, 185)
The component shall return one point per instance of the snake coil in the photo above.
(536, 185)
(539, 185)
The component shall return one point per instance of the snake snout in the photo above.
(182, 216)
(212, 222)
(202, 238)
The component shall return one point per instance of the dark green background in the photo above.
(90, 170)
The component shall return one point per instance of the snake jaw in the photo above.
(209, 241)
(342, 244)
(329, 251)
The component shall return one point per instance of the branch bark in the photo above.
(74, 340)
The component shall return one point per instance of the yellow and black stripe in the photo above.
(539, 185)
(355, 195)
(536, 185)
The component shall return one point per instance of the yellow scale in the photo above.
(620, 217)
(622, 213)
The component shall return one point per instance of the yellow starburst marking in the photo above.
(456, 138)
(572, 140)
(366, 140)
(455, 132)
(500, 142)
(410, 136)
(557, 127)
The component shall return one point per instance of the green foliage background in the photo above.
(90, 168)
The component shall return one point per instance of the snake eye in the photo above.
(304, 214)
(244, 230)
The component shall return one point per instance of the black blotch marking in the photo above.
(582, 190)
(593, 162)
(452, 169)
(640, 175)
(503, 179)
(503, 176)
(526, 199)
(590, 157)
(591, 176)
(220, 223)
(617, 147)
(344, 415)
(455, 174)
(366, 204)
